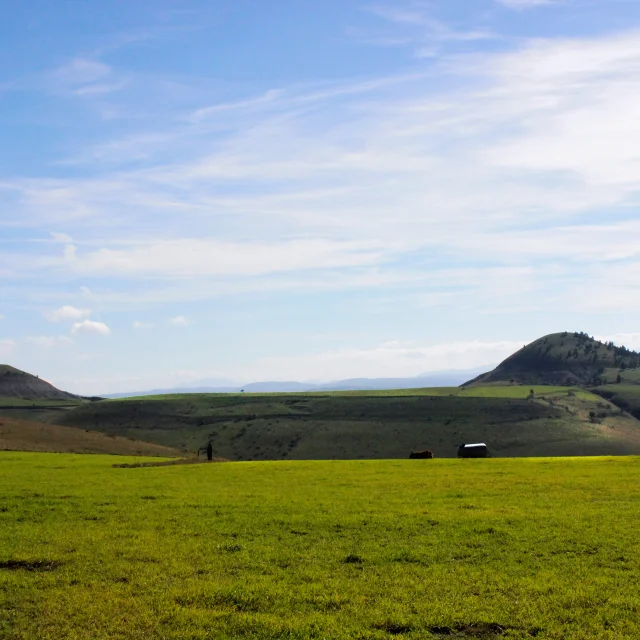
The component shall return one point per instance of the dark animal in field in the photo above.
(479, 450)
(421, 455)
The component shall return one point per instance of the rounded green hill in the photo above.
(560, 359)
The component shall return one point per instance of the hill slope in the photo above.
(557, 421)
(19, 384)
(561, 359)
(23, 435)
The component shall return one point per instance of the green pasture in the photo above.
(487, 391)
(498, 548)
(368, 425)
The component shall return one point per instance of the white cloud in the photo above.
(90, 326)
(49, 342)
(179, 321)
(6, 347)
(388, 360)
(1, 317)
(67, 313)
(142, 325)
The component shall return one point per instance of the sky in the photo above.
(200, 190)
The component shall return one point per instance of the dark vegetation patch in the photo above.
(30, 565)
(393, 628)
(483, 630)
(408, 557)
(352, 558)
(234, 599)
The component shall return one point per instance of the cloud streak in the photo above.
(179, 321)
(390, 359)
(527, 4)
(49, 342)
(67, 312)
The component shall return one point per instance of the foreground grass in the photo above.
(352, 549)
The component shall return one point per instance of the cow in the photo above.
(421, 455)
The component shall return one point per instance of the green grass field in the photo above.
(498, 548)
(487, 391)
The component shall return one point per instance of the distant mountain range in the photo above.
(452, 378)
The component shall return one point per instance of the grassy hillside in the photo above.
(19, 384)
(562, 359)
(625, 396)
(352, 425)
(437, 550)
(22, 435)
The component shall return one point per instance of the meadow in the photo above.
(370, 424)
(498, 548)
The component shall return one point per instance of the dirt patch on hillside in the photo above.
(23, 435)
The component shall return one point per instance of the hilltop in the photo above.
(20, 384)
(562, 359)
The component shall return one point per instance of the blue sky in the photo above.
(204, 190)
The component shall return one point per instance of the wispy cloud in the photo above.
(137, 324)
(67, 313)
(6, 347)
(82, 76)
(179, 321)
(390, 359)
(421, 30)
(384, 180)
(527, 4)
(197, 257)
(49, 342)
